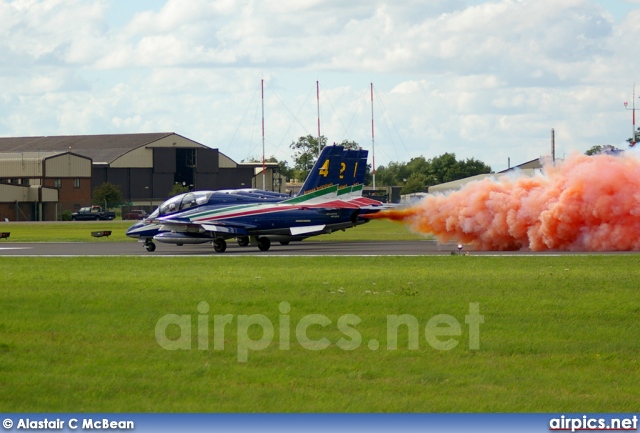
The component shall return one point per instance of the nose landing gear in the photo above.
(149, 245)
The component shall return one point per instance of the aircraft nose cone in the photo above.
(131, 231)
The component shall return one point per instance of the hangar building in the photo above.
(145, 166)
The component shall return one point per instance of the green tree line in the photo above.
(420, 173)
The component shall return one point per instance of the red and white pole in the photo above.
(318, 102)
(264, 168)
(633, 110)
(373, 144)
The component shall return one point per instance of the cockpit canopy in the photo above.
(220, 197)
(182, 202)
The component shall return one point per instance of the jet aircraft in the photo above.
(329, 200)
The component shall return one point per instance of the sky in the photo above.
(481, 79)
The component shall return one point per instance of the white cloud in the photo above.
(52, 31)
(485, 80)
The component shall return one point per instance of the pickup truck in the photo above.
(135, 214)
(92, 213)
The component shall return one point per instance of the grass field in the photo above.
(559, 334)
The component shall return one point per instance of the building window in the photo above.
(57, 183)
(76, 182)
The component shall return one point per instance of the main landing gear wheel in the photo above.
(219, 245)
(264, 244)
(150, 246)
(243, 241)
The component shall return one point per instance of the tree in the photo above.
(472, 167)
(178, 189)
(606, 149)
(348, 144)
(396, 173)
(306, 152)
(440, 169)
(595, 150)
(417, 182)
(443, 167)
(107, 194)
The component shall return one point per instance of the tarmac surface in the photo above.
(362, 248)
(293, 249)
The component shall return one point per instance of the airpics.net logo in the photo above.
(440, 332)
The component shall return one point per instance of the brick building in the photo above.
(36, 186)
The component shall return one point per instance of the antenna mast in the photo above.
(373, 143)
(264, 169)
(318, 101)
(553, 145)
(633, 121)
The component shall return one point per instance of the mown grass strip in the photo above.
(560, 334)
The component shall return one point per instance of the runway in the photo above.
(87, 249)
(361, 248)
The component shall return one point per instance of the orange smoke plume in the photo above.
(586, 203)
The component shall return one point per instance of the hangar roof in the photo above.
(32, 165)
(100, 148)
(29, 155)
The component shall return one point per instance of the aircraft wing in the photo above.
(179, 225)
(226, 229)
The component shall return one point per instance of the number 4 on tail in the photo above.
(324, 170)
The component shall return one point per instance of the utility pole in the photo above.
(633, 116)
(318, 102)
(264, 169)
(373, 143)
(553, 145)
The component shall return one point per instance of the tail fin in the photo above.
(338, 173)
(348, 168)
(361, 170)
(354, 167)
(326, 170)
